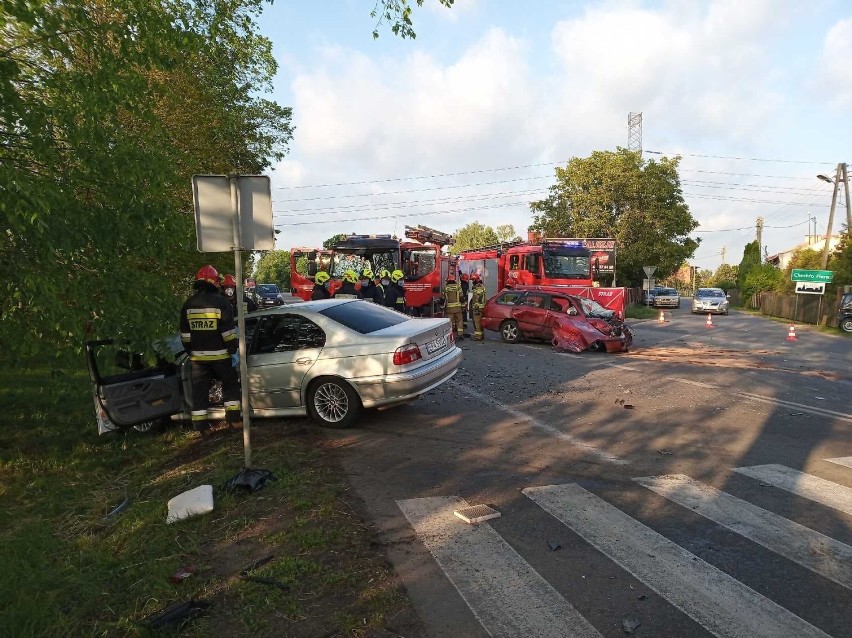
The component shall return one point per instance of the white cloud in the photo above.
(835, 77)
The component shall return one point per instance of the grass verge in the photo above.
(641, 311)
(71, 570)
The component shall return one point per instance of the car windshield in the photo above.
(363, 316)
(267, 289)
(710, 293)
(559, 266)
(593, 309)
(667, 292)
(377, 262)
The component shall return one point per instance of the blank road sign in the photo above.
(214, 213)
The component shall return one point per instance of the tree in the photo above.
(107, 108)
(274, 267)
(474, 235)
(704, 278)
(331, 241)
(725, 277)
(751, 259)
(840, 263)
(397, 13)
(506, 233)
(620, 195)
(762, 278)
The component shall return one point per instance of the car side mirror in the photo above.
(572, 311)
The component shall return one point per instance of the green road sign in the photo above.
(811, 275)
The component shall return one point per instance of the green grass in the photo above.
(69, 570)
(641, 311)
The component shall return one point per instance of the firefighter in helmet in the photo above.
(321, 285)
(209, 335)
(478, 304)
(464, 283)
(348, 289)
(369, 290)
(229, 289)
(452, 297)
(394, 292)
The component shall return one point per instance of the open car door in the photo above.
(130, 394)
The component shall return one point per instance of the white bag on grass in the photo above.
(196, 501)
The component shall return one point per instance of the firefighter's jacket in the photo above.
(372, 292)
(395, 297)
(478, 298)
(320, 292)
(207, 328)
(453, 296)
(348, 291)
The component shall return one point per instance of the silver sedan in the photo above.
(329, 359)
(710, 300)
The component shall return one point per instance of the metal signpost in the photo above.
(810, 282)
(649, 283)
(234, 213)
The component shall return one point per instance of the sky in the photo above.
(468, 121)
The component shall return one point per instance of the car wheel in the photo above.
(510, 332)
(333, 403)
(846, 324)
(726, 313)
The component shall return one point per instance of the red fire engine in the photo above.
(420, 259)
(569, 265)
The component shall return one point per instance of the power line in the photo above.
(744, 159)
(403, 179)
(728, 230)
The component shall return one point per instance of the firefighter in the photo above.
(369, 290)
(321, 284)
(478, 304)
(464, 280)
(453, 304)
(229, 289)
(394, 292)
(209, 336)
(348, 289)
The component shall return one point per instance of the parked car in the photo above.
(844, 313)
(710, 300)
(648, 295)
(666, 298)
(521, 314)
(267, 296)
(329, 359)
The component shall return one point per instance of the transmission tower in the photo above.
(634, 132)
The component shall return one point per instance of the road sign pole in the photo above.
(245, 407)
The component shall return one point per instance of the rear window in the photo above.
(267, 289)
(363, 316)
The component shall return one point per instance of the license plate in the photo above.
(437, 344)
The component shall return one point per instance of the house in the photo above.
(782, 259)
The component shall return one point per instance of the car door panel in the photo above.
(284, 349)
(141, 399)
(531, 315)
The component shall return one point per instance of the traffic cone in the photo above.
(709, 323)
(662, 316)
(791, 336)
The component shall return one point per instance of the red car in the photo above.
(568, 322)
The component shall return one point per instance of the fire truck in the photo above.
(569, 265)
(418, 256)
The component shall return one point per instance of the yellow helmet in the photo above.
(396, 275)
(384, 274)
(321, 277)
(367, 274)
(351, 276)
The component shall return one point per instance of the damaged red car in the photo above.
(567, 322)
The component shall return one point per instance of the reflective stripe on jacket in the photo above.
(452, 293)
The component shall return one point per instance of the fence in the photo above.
(813, 309)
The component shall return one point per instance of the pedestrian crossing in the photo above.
(509, 598)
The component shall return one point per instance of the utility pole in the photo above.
(841, 171)
(848, 207)
(724, 252)
(759, 234)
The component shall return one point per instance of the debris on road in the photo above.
(177, 615)
(182, 574)
(196, 501)
(630, 623)
(553, 545)
(665, 452)
(476, 514)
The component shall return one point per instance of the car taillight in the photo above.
(406, 354)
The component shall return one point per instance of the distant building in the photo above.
(783, 258)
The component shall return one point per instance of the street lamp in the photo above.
(841, 177)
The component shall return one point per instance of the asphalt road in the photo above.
(699, 485)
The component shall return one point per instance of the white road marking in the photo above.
(799, 406)
(507, 596)
(719, 603)
(697, 384)
(845, 461)
(810, 549)
(811, 487)
(546, 427)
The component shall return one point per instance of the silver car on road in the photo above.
(710, 300)
(328, 359)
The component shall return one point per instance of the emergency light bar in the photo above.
(563, 242)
